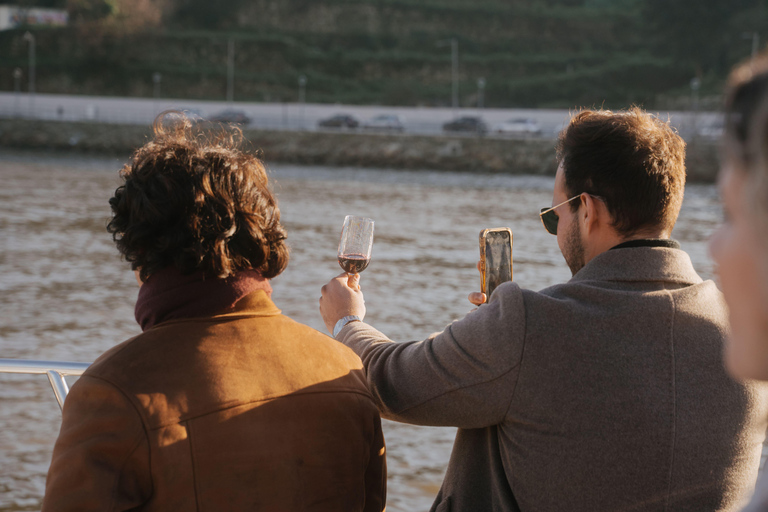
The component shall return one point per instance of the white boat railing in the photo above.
(55, 370)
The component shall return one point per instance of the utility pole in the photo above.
(755, 43)
(16, 90)
(480, 92)
(17, 80)
(695, 85)
(156, 79)
(231, 70)
(30, 38)
(755, 37)
(454, 71)
(302, 99)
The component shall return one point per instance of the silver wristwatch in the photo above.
(344, 321)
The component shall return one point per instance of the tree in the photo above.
(694, 33)
(207, 14)
(91, 10)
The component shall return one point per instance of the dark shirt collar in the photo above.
(648, 242)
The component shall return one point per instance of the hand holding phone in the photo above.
(495, 259)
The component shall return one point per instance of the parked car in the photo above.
(339, 121)
(231, 116)
(193, 114)
(385, 122)
(713, 130)
(472, 124)
(519, 126)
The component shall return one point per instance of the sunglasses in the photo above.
(549, 218)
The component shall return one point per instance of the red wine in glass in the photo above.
(353, 263)
(355, 244)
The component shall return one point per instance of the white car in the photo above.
(519, 126)
(713, 130)
(385, 122)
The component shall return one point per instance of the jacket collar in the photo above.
(168, 294)
(640, 264)
(255, 304)
(258, 303)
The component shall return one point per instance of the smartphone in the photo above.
(495, 258)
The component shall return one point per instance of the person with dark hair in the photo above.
(221, 403)
(604, 393)
(740, 245)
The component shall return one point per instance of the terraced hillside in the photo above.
(529, 52)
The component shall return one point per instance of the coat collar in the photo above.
(640, 264)
(258, 303)
(169, 294)
(255, 304)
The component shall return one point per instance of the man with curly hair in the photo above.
(221, 403)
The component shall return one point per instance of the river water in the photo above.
(65, 294)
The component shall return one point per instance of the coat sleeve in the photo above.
(464, 376)
(101, 457)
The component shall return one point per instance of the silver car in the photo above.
(385, 123)
(519, 126)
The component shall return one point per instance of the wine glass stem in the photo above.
(350, 282)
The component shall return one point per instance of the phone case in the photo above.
(483, 235)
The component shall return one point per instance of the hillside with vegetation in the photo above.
(531, 53)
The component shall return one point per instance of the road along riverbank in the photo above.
(388, 151)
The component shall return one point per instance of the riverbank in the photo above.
(396, 151)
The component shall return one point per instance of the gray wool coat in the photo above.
(605, 393)
(759, 502)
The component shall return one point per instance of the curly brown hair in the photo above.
(198, 202)
(632, 159)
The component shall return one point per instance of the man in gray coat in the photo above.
(604, 393)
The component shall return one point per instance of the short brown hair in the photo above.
(746, 92)
(631, 159)
(197, 202)
(746, 131)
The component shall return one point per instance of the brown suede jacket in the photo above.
(246, 410)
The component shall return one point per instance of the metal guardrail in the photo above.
(55, 370)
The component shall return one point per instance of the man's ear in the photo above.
(591, 214)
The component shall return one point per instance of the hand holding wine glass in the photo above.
(355, 244)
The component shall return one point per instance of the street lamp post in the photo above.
(454, 71)
(695, 85)
(30, 38)
(480, 92)
(755, 41)
(231, 70)
(302, 99)
(16, 89)
(17, 80)
(156, 79)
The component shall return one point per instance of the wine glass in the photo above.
(355, 244)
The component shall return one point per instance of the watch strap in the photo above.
(344, 321)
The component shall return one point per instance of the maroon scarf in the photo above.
(168, 294)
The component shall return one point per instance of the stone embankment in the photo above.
(401, 151)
